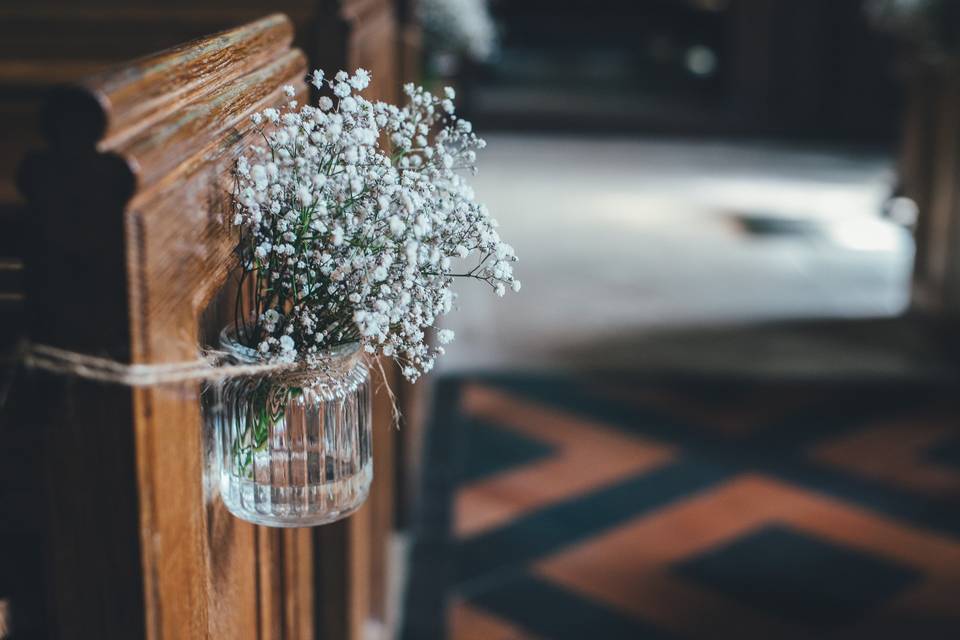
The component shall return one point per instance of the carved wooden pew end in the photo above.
(127, 250)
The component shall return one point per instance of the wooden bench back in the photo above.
(127, 247)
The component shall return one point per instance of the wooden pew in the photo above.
(47, 42)
(928, 165)
(127, 255)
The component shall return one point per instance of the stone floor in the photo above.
(658, 253)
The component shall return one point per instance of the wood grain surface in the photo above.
(129, 249)
(127, 255)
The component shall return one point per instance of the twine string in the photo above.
(210, 366)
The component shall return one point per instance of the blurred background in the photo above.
(723, 404)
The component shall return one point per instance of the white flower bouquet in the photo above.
(355, 218)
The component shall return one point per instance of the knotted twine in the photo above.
(210, 366)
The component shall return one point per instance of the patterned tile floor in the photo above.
(609, 508)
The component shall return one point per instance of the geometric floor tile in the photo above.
(470, 623)
(798, 577)
(494, 449)
(901, 453)
(539, 534)
(731, 413)
(946, 454)
(633, 568)
(613, 508)
(587, 455)
(550, 611)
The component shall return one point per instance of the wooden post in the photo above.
(127, 255)
(929, 164)
(127, 248)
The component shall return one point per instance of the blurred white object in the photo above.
(623, 239)
(701, 61)
(461, 26)
(903, 211)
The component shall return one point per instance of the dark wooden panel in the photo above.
(930, 160)
(128, 248)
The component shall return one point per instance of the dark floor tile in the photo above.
(799, 578)
(548, 611)
(493, 449)
(540, 533)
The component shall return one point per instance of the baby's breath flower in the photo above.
(360, 79)
(357, 241)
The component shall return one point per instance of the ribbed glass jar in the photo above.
(294, 448)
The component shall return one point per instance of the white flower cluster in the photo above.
(461, 26)
(347, 239)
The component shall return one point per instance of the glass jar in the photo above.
(294, 448)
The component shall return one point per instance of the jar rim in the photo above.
(249, 355)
